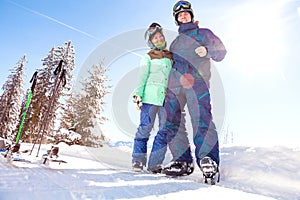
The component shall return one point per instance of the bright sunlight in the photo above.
(256, 45)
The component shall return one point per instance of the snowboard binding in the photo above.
(210, 171)
(176, 168)
(156, 170)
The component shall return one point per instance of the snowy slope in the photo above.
(104, 173)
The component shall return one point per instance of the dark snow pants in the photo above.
(197, 98)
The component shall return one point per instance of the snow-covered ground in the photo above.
(104, 173)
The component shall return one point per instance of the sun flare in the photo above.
(256, 39)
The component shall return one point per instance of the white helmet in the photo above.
(151, 31)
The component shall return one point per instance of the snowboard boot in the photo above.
(156, 170)
(137, 166)
(210, 171)
(176, 168)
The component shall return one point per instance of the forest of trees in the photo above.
(55, 111)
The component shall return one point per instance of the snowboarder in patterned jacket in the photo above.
(149, 96)
(188, 84)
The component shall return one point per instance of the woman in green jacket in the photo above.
(149, 95)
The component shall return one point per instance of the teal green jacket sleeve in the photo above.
(143, 76)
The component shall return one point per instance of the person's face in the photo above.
(184, 17)
(157, 37)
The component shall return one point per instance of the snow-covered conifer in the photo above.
(11, 100)
(85, 109)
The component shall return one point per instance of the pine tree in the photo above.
(11, 100)
(86, 108)
(69, 115)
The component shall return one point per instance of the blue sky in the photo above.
(259, 74)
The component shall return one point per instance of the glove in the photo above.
(138, 101)
(201, 51)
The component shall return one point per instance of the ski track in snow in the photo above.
(104, 173)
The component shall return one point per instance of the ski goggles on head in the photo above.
(181, 5)
(154, 25)
(153, 28)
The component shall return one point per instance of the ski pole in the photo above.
(56, 72)
(60, 78)
(33, 80)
